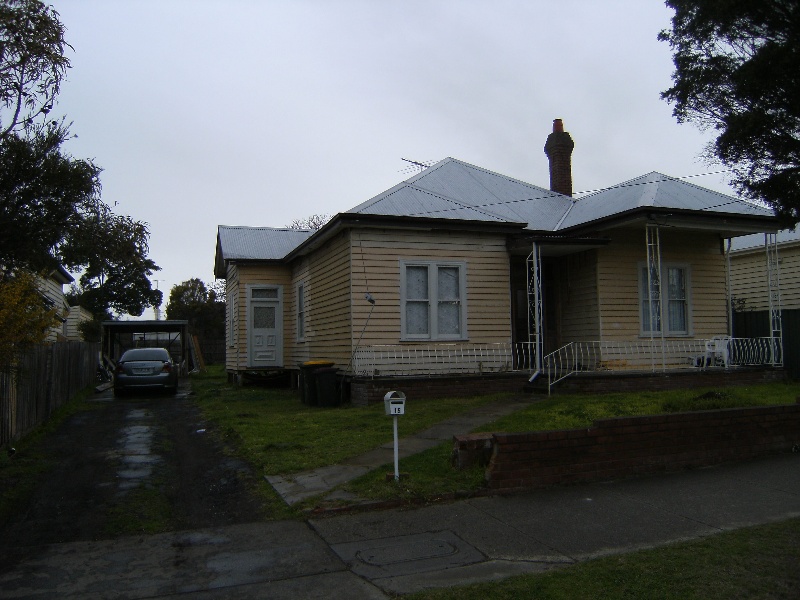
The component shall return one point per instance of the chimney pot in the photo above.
(559, 148)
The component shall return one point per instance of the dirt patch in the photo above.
(158, 445)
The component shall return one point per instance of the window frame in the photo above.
(433, 300)
(231, 296)
(665, 300)
(300, 313)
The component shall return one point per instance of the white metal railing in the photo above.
(575, 357)
(658, 355)
(442, 359)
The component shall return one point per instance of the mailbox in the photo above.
(395, 403)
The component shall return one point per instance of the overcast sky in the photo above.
(259, 112)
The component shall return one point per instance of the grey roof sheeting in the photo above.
(658, 191)
(756, 240)
(455, 190)
(452, 189)
(258, 243)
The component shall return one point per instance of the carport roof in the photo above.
(145, 326)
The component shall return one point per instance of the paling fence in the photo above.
(43, 379)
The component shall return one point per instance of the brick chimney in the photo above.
(558, 148)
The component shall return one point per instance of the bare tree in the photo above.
(310, 223)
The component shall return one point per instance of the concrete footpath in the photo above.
(377, 554)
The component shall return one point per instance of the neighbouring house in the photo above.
(51, 287)
(461, 272)
(764, 305)
(749, 272)
(76, 316)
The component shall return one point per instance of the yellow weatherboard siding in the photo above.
(749, 277)
(376, 256)
(618, 282)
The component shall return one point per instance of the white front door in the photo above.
(265, 325)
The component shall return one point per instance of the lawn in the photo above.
(279, 435)
(431, 474)
(752, 563)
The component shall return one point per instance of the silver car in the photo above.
(142, 368)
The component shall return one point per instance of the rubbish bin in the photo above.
(308, 386)
(327, 389)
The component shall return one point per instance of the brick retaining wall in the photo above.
(616, 381)
(365, 391)
(630, 446)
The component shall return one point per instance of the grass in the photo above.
(279, 435)
(752, 563)
(144, 509)
(432, 476)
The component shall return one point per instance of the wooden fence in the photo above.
(213, 351)
(44, 379)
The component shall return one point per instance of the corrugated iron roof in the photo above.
(658, 191)
(258, 243)
(756, 240)
(452, 189)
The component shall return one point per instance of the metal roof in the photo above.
(257, 243)
(455, 190)
(658, 191)
(452, 189)
(756, 240)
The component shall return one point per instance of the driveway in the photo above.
(120, 447)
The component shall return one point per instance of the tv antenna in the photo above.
(416, 166)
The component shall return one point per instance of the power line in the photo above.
(574, 200)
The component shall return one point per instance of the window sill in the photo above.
(407, 340)
(657, 334)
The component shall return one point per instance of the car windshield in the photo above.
(145, 354)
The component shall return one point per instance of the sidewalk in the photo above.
(299, 486)
(374, 554)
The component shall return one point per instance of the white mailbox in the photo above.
(395, 403)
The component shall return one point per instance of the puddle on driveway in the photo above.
(135, 447)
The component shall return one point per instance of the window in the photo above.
(231, 298)
(301, 311)
(433, 300)
(674, 288)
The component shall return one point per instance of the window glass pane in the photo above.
(417, 318)
(417, 283)
(677, 316)
(448, 283)
(676, 285)
(269, 293)
(449, 318)
(676, 306)
(264, 317)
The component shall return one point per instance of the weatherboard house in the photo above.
(459, 276)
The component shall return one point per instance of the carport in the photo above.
(119, 336)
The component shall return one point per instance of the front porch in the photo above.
(707, 359)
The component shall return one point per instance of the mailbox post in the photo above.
(395, 404)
